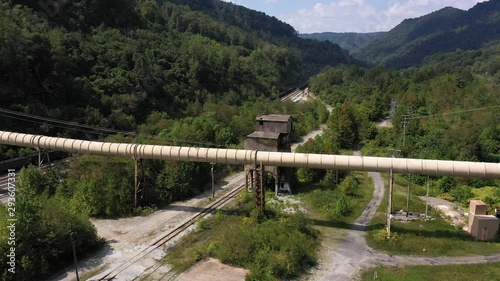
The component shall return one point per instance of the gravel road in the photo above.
(353, 255)
(311, 135)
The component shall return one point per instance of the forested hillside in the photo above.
(350, 41)
(112, 63)
(446, 109)
(451, 105)
(446, 30)
(169, 73)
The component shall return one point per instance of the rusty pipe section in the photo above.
(237, 156)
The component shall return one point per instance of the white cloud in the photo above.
(360, 16)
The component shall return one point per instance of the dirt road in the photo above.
(346, 262)
(353, 255)
(311, 135)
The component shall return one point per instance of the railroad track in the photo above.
(112, 274)
(292, 95)
(4, 180)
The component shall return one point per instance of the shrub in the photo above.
(343, 207)
(445, 184)
(350, 185)
(201, 224)
(462, 194)
(329, 180)
(278, 247)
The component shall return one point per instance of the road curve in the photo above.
(354, 255)
(351, 255)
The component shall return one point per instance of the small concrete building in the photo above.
(274, 123)
(482, 226)
(272, 133)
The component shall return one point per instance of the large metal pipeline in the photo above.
(233, 156)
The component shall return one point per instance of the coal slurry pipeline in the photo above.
(239, 156)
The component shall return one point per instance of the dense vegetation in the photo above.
(450, 108)
(350, 41)
(277, 246)
(446, 30)
(169, 73)
(113, 63)
(45, 228)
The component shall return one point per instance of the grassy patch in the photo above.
(323, 201)
(280, 246)
(488, 271)
(431, 238)
(274, 247)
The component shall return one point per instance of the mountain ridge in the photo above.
(346, 40)
(445, 30)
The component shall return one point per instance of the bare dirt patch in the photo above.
(288, 204)
(213, 270)
(385, 124)
(450, 210)
(127, 236)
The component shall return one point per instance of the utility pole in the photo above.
(213, 180)
(405, 124)
(136, 181)
(408, 197)
(394, 105)
(389, 199)
(72, 236)
(427, 198)
(389, 204)
(406, 121)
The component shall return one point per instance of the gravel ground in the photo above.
(353, 253)
(213, 270)
(127, 236)
(450, 210)
(311, 135)
(385, 124)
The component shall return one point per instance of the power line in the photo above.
(53, 125)
(455, 112)
(91, 129)
(17, 113)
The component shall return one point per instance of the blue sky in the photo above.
(308, 16)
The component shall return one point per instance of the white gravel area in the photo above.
(128, 236)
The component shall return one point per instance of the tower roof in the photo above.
(274, 118)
